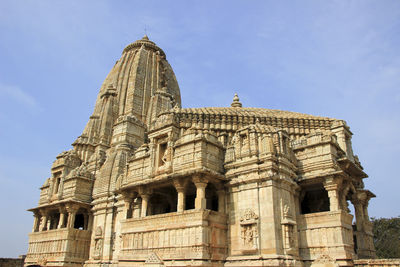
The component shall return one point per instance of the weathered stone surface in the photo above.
(149, 183)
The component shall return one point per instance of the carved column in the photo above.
(128, 208)
(181, 199)
(180, 188)
(128, 204)
(358, 210)
(332, 186)
(145, 200)
(62, 218)
(36, 221)
(201, 184)
(43, 221)
(71, 215)
(137, 207)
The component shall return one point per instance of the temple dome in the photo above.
(141, 84)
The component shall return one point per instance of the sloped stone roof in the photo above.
(252, 112)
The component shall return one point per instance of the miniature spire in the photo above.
(236, 103)
(145, 37)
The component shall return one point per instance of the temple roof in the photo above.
(251, 112)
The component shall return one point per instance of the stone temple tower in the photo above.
(149, 183)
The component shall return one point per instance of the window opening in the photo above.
(315, 200)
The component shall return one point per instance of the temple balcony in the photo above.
(191, 234)
(60, 235)
(58, 247)
(328, 232)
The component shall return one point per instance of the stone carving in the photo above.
(98, 243)
(286, 211)
(153, 258)
(249, 231)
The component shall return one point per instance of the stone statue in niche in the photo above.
(249, 232)
(288, 225)
(98, 243)
(286, 211)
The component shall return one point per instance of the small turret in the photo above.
(236, 103)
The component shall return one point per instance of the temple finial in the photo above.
(236, 103)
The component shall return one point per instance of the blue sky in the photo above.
(338, 59)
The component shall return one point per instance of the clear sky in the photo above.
(338, 59)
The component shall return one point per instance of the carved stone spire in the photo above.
(236, 103)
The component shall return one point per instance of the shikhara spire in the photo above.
(151, 183)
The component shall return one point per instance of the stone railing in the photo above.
(327, 233)
(377, 263)
(59, 245)
(195, 234)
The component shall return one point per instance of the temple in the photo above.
(149, 183)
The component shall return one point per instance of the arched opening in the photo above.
(211, 197)
(190, 196)
(163, 200)
(315, 199)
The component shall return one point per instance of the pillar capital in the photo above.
(129, 195)
(44, 212)
(143, 190)
(180, 185)
(199, 181)
(332, 183)
(62, 209)
(72, 208)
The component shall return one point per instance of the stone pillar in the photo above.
(71, 215)
(61, 221)
(137, 207)
(358, 210)
(127, 207)
(181, 200)
(180, 189)
(61, 218)
(200, 202)
(145, 200)
(43, 223)
(365, 209)
(36, 222)
(221, 200)
(332, 186)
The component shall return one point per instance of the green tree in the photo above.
(387, 237)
